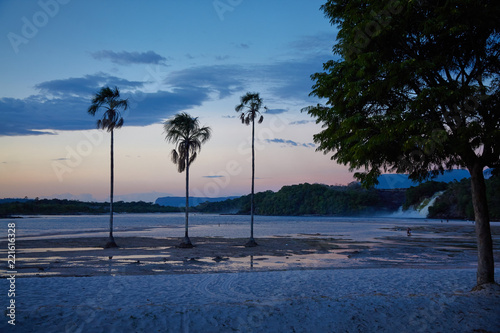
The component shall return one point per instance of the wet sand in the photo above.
(428, 247)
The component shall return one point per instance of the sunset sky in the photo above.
(197, 56)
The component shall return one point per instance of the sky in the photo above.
(166, 57)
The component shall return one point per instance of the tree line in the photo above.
(72, 207)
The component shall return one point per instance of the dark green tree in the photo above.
(185, 132)
(250, 105)
(109, 100)
(415, 89)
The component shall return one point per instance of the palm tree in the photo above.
(250, 109)
(185, 132)
(109, 100)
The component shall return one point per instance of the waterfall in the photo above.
(421, 210)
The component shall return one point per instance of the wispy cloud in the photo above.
(276, 111)
(129, 58)
(319, 43)
(84, 86)
(290, 143)
(221, 79)
(222, 57)
(301, 122)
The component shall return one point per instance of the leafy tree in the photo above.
(249, 107)
(109, 100)
(185, 132)
(415, 89)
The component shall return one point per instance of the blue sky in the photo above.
(197, 56)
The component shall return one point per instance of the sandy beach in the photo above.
(307, 283)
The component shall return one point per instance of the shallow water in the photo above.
(228, 226)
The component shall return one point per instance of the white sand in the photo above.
(333, 300)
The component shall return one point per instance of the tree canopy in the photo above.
(415, 88)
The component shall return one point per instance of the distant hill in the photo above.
(193, 201)
(393, 181)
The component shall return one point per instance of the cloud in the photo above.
(216, 176)
(276, 111)
(63, 104)
(302, 122)
(290, 143)
(221, 79)
(150, 108)
(289, 80)
(222, 58)
(319, 43)
(36, 114)
(85, 86)
(128, 58)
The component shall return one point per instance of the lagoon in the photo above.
(228, 226)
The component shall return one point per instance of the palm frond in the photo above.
(174, 156)
(192, 158)
(109, 100)
(252, 103)
(185, 132)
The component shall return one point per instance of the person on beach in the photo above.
(408, 231)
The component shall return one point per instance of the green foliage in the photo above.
(74, 207)
(396, 102)
(306, 199)
(416, 194)
(456, 201)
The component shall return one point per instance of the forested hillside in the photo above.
(456, 201)
(312, 199)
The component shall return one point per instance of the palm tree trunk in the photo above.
(485, 263)
(251, 242)
(186, 243)
(111, 240)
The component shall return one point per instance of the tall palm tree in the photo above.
(249, 107)
(109, 100)
(185, 132)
